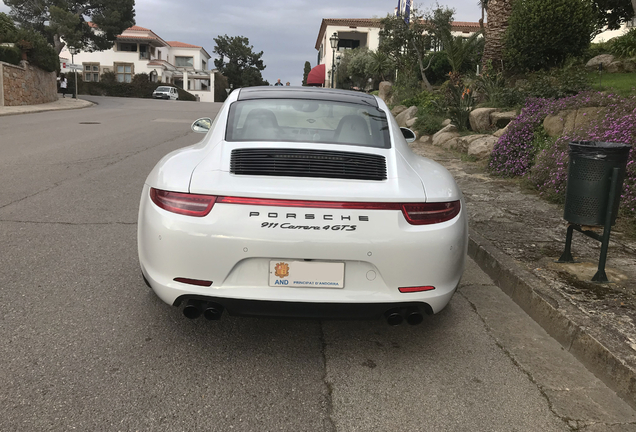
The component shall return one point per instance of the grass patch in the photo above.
(622, 83)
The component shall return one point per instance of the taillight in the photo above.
(430, 213)
(197, 282)
(416, 289)
(183, 203)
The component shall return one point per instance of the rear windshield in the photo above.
(163, 89)
(295, 120)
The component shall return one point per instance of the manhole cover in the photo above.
(90, 123)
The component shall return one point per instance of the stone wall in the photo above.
(26, 85)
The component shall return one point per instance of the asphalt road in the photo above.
(87, 346)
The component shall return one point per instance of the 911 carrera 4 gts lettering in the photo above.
(287, 225)
(308, 216)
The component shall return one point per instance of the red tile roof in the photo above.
(137, 28)
(177, 44)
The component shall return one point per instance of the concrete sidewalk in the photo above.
(516, 237)
(66, 103)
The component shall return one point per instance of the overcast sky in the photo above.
(285, 30)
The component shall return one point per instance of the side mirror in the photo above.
(202, 125)
(408, 134)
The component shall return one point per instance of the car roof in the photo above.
(312, 93)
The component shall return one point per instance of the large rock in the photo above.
(480, 119)
(629, 65)
(586, 116)
(446, 122)
(398, 109)
(465, 141)
(384, 92)
(447, 133)
(439, 140)
(411, 122)
(502, 119)
(606, 59)
(405, 116)
(614, 67)
(500, 132)
(451, 144)
(482, 148)
(554, 125)
(426, 139)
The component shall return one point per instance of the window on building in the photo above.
(124, 72)
(91, 71)
(348, 44)
(159, 55)
(184, 61)
(204, 65)
(144, 52)
(124, 46)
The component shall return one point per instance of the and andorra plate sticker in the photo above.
(306, 274)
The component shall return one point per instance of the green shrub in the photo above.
(428, 121)
(596, 49)
(39, 52)
(439, 69)
(557, 83)
(10, 55)
(625, 45)
(425, 100)
(543, 34)
(405, 85)
(459, 101)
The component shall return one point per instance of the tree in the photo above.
(407, 44)
(610, 14)
(243, 66)
(459, 49)
(564, 27)
(498, 15)
(65, 22)
(306, 72)
(381, 65)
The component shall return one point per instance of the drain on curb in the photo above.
(90, 123)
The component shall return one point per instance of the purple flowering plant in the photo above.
(546, 167)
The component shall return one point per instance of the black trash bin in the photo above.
(590, 178)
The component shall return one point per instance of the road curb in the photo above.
(6, 111)
(574, 330)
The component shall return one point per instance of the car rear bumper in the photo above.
(233, 250)
(282, 309)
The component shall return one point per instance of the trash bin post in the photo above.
(600, 275)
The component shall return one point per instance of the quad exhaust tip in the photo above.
(195, 308)
(395, 317)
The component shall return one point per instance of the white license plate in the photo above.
(306, 274)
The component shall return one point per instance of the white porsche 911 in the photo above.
(302, 202)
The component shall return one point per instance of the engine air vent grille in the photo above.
(308, 163)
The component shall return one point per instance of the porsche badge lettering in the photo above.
(308, 216)
(281, 269)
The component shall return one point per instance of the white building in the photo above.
(362, 32)
(140, 50)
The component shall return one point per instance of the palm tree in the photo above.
(458, 48)
(483, 4)
(499, 12)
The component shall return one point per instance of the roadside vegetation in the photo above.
(438, 73)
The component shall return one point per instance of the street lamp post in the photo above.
(338, 58)
(74, 51)
(333, 40)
